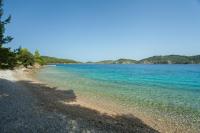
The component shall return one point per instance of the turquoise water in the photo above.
(161, 90)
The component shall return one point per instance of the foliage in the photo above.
(53, 60)
(7, 57)
(38, 59)
(25, 58)
(3, 39)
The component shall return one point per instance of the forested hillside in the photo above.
(54, 60)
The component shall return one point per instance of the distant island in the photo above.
(119, 61)
(168, 59)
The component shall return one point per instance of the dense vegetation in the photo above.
(38, 59)
(53, 60)
(26, 58)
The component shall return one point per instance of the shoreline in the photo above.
(39, 101)
(157, 120)
(27, 75)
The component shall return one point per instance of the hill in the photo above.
(54, 60)
(104, 62)
(125, 61)
(119, 61)
(168, 59)
(171, 59)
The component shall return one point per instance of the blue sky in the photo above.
(105, 29)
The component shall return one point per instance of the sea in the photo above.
(169, 93)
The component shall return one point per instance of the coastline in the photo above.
(54, 108)
(47, 95)
(157, 120)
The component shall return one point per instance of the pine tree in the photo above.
(3, 39)
(7, 57)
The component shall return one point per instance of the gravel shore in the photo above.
(27, 106)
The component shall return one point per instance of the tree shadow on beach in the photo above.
(79, 118)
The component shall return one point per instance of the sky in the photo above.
(93, 30)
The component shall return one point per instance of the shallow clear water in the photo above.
(166, 90)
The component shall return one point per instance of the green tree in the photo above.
(7, 56)
(38, 58)
(25, 57)
(37, 54)
(4, 39)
